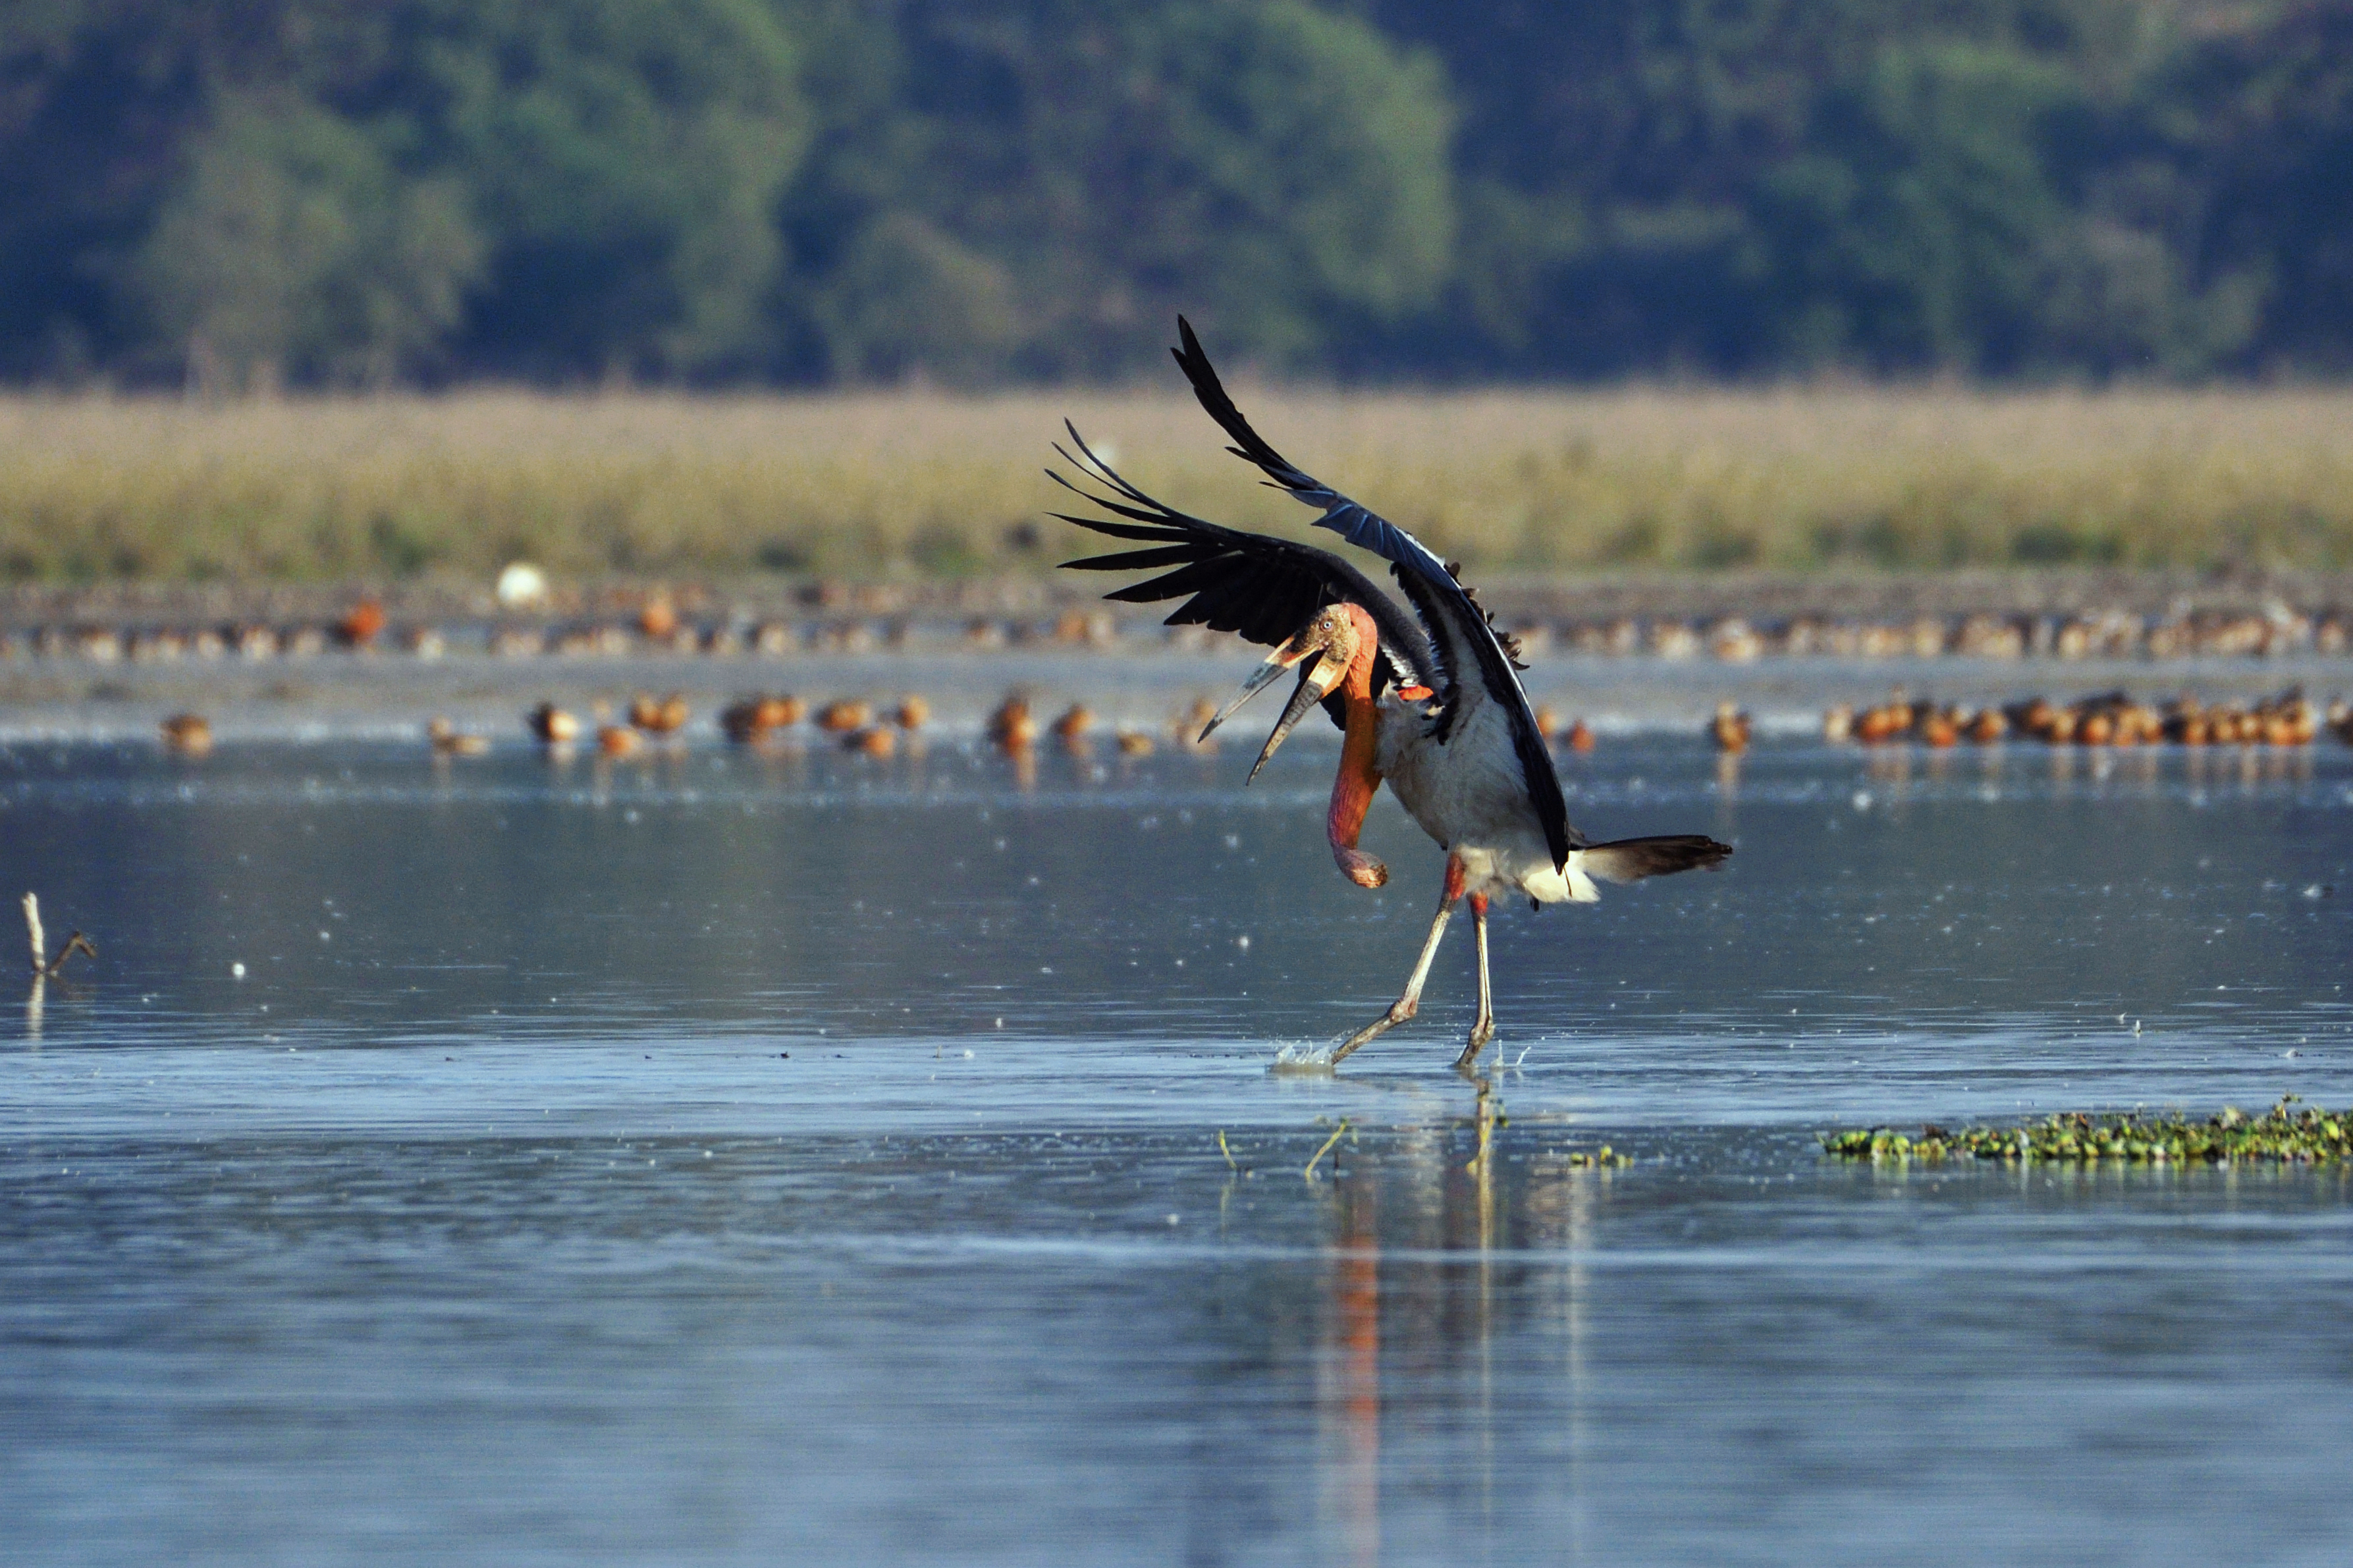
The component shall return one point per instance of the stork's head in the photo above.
(1335, 640)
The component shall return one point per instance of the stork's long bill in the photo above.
(1333, 652)
(1305, 696)
(1318, 674)
(1259, 679)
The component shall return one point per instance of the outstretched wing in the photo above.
(1473, 663)
(1263, 588)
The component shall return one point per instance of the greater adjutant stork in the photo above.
(1436, 708)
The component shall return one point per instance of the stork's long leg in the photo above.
(1482, 1028)
(1407, 1006)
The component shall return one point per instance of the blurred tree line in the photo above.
(237, 192)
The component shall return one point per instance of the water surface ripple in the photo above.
(730, 1159)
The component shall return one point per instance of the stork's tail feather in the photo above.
(1631, 859)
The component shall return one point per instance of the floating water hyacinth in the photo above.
(2284, 1134)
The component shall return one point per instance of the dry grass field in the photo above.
(914, 484)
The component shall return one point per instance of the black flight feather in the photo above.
(1265, 589)
(1463, 643)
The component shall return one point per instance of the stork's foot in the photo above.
(1481, 1033)
(1400, 1012)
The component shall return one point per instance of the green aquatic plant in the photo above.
(1337, 1133)
(2290, 1132)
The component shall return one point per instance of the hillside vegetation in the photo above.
(248, 193)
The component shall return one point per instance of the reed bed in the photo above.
(913, 485)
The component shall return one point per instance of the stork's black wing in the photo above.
(1468, 648)
(1265, 588)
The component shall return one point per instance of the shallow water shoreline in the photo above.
(735, 1156)
(343, 695)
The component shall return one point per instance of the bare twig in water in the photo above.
(75, 943)
(1337, 1133)
(1229, 1153)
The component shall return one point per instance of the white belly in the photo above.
(1468, 794)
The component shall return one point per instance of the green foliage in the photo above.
(628, 155)
(2087, 186)
(2260, 121)
(1041, 187)
(910, 298)
(348, 192)
(1908, 230)
(343, 193)
(292, 247)
(1314, 157)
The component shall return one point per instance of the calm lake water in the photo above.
(723, 1158)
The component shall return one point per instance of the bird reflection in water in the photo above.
(1727, 774)
(1348, 1380)
(1429, 1271)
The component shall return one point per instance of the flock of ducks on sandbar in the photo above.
(2275, 629)
(2109, 719)
(867, 620)
(859, 725)
(879, 730)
